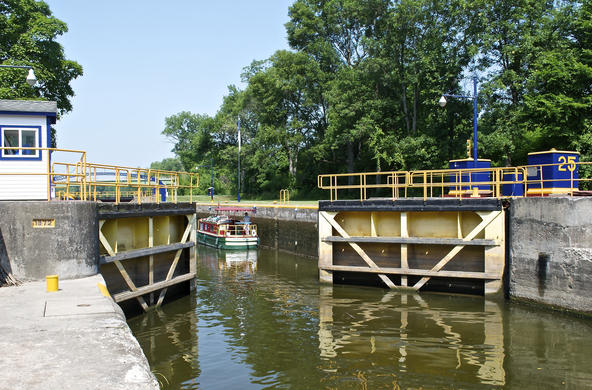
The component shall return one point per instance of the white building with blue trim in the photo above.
(24, 172)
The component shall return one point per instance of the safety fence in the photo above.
(64, 174)
(284, 196)
(504, 182)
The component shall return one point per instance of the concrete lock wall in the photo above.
(44, 238)
(550, 252)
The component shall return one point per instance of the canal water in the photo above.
(261, 320)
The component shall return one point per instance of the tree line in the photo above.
(28, 36)
(358, 92)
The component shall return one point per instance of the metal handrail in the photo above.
(284, 196)
(459, 183)
(140, 183)
(82, 180)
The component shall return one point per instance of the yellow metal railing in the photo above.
(142, 185)
(33, 166)
(284, 196)
(528, 180)
(81, 180)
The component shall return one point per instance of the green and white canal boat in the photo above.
(224, 232)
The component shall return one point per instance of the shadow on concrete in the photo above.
(541, 268)
(6, 278)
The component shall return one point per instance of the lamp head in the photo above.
(442, 101)
(31, 79)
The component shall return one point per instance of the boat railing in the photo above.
(240, 229)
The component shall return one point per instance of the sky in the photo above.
(146, 60)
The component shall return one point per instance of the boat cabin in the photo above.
(227, 233)
(223, 226)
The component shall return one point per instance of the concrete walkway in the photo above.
(74, 338)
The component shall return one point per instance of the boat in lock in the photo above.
(225, 232)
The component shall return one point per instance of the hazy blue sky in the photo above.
(146, 60)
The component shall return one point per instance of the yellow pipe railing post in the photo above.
(499, 177)
(331, 188)
(84, 176)
(177, 183)
(48, 176)
(139, 189)
(362, 186)
(571, 181)
(157, 182)
(117, 188)
(425, 190)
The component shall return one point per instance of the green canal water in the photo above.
(266, 323)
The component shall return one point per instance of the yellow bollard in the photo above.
(52, 283)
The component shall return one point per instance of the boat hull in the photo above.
(221, 242)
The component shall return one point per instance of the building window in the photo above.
(20, 137)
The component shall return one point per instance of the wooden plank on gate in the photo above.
(120, 267)
(484, 223)
(190, 226)
(412, 240)
(415, 272)
(135, 253)
(359, 251)
(123, 296)
(130, 284)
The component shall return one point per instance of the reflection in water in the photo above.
(261, 320)
(437, 340)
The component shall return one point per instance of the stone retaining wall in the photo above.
(44, 238)
(550, 252)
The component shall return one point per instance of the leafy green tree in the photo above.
(334, 33)
(511, 42)
(558, 93)
(389, 62)
(539, 94)
(168, 164)
(287, 111)
(28, 33)
(360, 90)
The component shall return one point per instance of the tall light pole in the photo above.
(239, 148)
(31, 79)
(442, 103)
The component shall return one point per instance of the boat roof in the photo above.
(218, 219)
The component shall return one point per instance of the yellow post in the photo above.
(116, 186)
(190, 188)
(48, 175)
(498, 179)
(425, 189)
(52, 283)
(84, 167)
(139, 192)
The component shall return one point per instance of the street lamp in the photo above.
(31, 79)
(442, 103)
